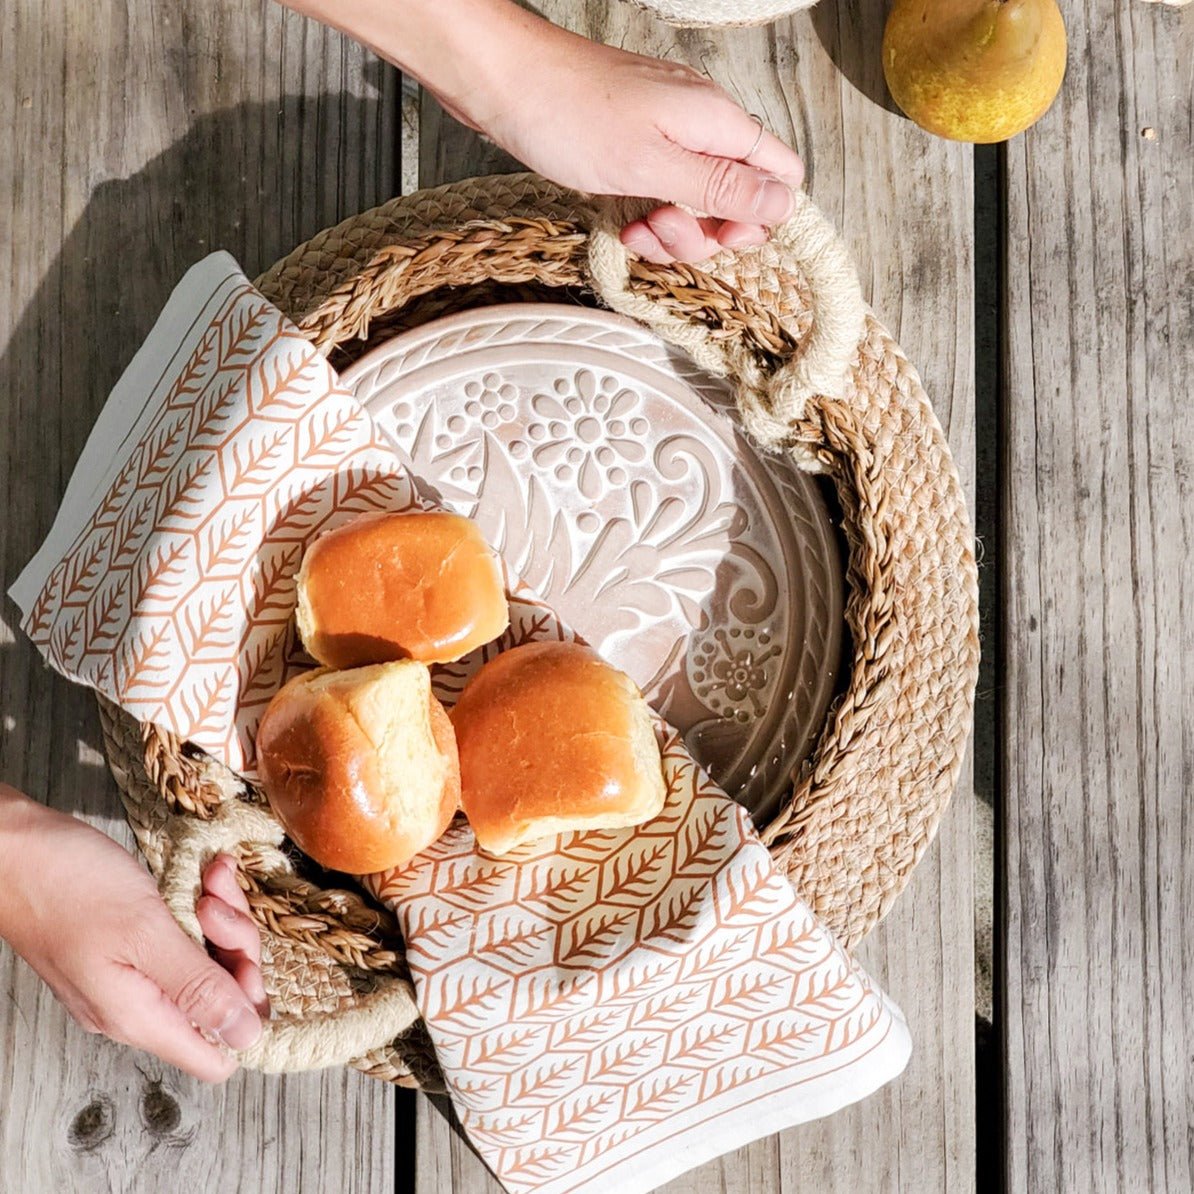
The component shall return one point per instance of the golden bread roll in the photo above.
(360, 766)
(552, 739)
(399, 586)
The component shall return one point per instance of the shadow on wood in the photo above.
(134, 141)
(97, 302)
(851, 32)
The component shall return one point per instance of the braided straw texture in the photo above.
(818, 377)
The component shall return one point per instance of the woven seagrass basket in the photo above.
(817, 377)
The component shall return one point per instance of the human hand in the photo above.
(88, 918)
(599, 119)
(592, 117)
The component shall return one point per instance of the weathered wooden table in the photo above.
(134, 138)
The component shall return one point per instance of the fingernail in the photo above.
(217, 907)
(220, 862)
(258, 994)
(744, 238)
(241, 1029)
(774, 202)
(665, 233)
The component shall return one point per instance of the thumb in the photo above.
(202, 989)
(725, 189)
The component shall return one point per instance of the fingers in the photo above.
(724, 189)
(639, 239)
(732, 235)
(725, 164)
(672, 234)
(227, 929)
(219, 880)
(237, 947)
(204, 993)
(225, 919)
(718, 127)
(248, 977)
(149, 1020)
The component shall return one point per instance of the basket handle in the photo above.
(559, 239)
(288, 1042)
(771, 401)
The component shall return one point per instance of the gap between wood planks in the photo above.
(989, 248)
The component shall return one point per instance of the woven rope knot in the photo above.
(289, 1042)
(771, 402)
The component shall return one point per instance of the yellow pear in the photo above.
(974, 70)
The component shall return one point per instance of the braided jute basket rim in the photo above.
(785, 321)
(720, 14)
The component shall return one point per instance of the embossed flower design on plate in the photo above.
(586, 431)
(610, 473)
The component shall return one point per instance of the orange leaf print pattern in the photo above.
(659, 1096)
(462, 1001)
(204, 701)
(190, 381)
(40, 620)
(620, 1061)
(254, 462)
(615, 1028)
(547, 998)
(505, 1130)
(259, 666)
(214, 412)
(104, 616)
(673, 1007)
(701, 842)
(636, 874)
(586, 1030)
(207, 622)
(537, 1163)
(159, 573)
(703, 1044)
(503, 1045)
(181, 496)
(225, 542)
(82, 574)
(545, 1082)
(181, 562)
(575, 1120)
(789, 1042)
(66, 641)
(590, 939)
(117, 495)
(274, 582)
(511, 941)
(155, 464)
(146, 661)
(131, 531)
(556, 889)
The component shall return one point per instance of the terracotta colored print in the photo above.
(644, 998)
(177, 598)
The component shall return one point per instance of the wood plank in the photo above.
(904, 202)
(135, 138)
(1099, 586)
